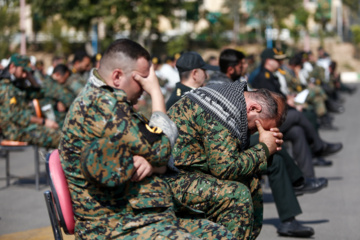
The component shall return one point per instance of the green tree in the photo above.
(137, 16)
(276, 10)
(9, 25)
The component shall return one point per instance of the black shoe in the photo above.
(321, 162)
(328, 149)
(311, 185)
(294, 229)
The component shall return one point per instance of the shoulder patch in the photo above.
(13, 101)
(281, 71)
(155, 130)
(267, 75)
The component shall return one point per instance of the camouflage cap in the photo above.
(21, 61)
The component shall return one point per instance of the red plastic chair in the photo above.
(58, 200)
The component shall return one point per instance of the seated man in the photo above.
(55, 92)
(219, 174)
(283, 173)
(17, 121)
(111, 155)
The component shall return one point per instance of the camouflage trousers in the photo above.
(35, 135)
(228, 203)
(316, 99)
(167, 227)
(184, 229)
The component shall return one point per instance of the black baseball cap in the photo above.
(192, 60)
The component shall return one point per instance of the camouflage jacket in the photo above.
(15, 112)
(57, 92)
(75, 83)
(317, 76)
(101, 134)
(206, 146)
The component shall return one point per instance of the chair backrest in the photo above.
(60, 192)
(37, 108)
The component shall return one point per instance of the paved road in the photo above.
(334, 212)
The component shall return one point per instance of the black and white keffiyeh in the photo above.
(226, 103)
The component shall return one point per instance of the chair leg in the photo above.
(37, 166)
(7, 162)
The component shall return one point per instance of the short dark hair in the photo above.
(129, 48)
(229, 58)
(79, 56)
(185, 75)
(62, 69)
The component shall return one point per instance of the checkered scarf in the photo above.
(226, 103)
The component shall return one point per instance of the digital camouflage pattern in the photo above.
(316, 97)
(101, 134)
(55, 92)
(58, 92)
(215, 175)
(15, 115)
(317, 75)
(75, 83)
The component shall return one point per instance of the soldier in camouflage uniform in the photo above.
(17, 121)
(219, 174)
(76, 81)
(113, 157)
(56, 94)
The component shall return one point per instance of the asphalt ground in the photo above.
(334, 212)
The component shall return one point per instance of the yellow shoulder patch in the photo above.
(178, 92)
(13, 101)
(267, 75)
(298, 88)
(281, 71)
(153, 129)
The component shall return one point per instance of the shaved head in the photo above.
(122, 54)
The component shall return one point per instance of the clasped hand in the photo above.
(272, 138)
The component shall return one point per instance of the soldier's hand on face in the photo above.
(51, 124)
(60, 107)
(272, 139)
(150, 84)
(142, 169)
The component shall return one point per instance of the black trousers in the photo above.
(282, 173)
(301, 133)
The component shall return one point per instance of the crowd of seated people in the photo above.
(194, 169)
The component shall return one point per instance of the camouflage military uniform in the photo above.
(75, 83)
(215, 174)
(55, 92)
(101, 134)
(15, 119)
(317, 75)
(316, 97)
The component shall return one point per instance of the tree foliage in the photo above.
(277, 10)
(9, 25)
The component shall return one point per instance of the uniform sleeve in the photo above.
(57, 92)
(12, 110)
(138, 136)
(120, 134)
(103, 163)
(225, 158)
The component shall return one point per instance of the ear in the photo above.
(254, 108)
(194, 74)
(116, 77)
(230, 70)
